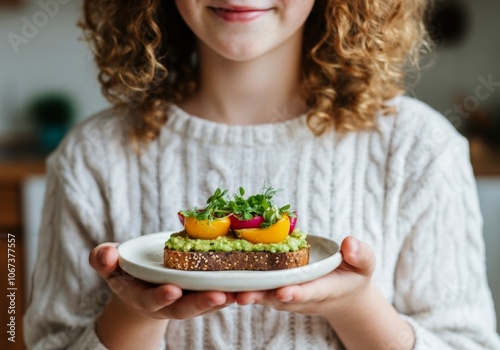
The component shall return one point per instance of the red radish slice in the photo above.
(237, 224)
(293, 222)
(181, 218)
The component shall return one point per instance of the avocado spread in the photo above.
(182, 242)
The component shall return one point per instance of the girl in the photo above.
(307, 94)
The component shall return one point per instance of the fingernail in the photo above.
(286, 299)
(103, 257)
(354, 246)
(169, 297)
(212, 303)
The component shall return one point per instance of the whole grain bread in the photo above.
(219, 261)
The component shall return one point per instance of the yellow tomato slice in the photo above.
(206, 229)
(275, 233)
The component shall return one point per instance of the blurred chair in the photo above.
(33, 188)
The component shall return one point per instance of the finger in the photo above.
(230, 299)
(308, 292)
(104, 259)
(359, 255)
(139, 294)
(269, 299)
(256, 297)
(195, 304)
(142, 295)
(152, 299)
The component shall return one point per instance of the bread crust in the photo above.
(220, 261)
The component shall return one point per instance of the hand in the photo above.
(326, 296)
(141, 298)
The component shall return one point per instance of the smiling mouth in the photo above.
(238, 13)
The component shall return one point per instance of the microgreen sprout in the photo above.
(261, 204)
(216, 207)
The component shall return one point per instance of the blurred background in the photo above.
(48, 83)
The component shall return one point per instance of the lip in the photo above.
(238, 13)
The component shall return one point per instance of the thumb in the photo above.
(104, 259)
(359, 255)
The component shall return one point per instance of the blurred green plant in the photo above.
(52, 113)
(52, 108)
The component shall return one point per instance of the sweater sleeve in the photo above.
(67, 294)
(440, 282)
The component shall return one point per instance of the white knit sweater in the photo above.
(406, 189)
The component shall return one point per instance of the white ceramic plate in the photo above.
(142, 257)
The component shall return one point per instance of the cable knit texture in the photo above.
(406, 189)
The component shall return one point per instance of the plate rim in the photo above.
(123, 260)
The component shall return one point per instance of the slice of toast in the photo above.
(219, 261)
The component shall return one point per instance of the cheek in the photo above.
(301, 10)
(296, 12)
(189, 11)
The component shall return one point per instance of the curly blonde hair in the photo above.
(354, 58)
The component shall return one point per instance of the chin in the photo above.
(241, 51)
(241, 56)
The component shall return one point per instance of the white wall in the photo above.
(489, 198)
(456, 70)
(53, 59)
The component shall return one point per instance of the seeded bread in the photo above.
(219, 261)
